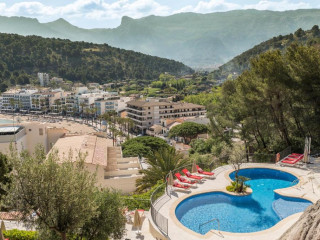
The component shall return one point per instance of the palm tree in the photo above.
(74, 112)
(87, 110)
(161, 163)
(82, 105)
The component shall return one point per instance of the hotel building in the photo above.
(150, 112)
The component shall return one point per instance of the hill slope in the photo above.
(199, 40)
(242, 62)
(22, 57)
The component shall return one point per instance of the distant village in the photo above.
(151, 116)
(46, 107)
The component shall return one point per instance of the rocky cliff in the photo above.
(307, 227)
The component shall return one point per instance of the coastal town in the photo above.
(159, 120)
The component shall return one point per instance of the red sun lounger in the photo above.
(188, 174)
(295, 156)
(291, 161)
(203, 172)
(184, 180)
(178, 185)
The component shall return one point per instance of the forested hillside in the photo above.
(198, 40)
(276, 103)
(21, 58)
(242, 62)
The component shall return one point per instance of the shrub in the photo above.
(142, 201)
(16, 234)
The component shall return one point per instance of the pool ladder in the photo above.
(214, 219)
(295, 181)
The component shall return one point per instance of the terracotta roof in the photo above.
(147, 104)
(175, 105)
(95, 148)
(10, 215)
(186, 105)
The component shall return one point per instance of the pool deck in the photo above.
(307, 188)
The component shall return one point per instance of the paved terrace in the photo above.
(307, 188)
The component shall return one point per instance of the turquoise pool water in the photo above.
(5, 121)
(241, 214)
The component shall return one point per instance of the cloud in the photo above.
(93, 9)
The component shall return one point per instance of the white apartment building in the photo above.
(106, 104)
(150, 112)
(43, 79)
(17, 99)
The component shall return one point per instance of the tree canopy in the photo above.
(188, 130)
(276, 102)
(5, 169)
(58, 197)
(21, 58)
(142, 146)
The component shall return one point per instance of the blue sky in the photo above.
(108, 13)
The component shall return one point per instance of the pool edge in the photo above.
(211, 233)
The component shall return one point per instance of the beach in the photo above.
(78, 126)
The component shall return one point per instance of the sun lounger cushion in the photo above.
(188, 174)
(203, 172)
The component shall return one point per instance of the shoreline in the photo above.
(58, 122)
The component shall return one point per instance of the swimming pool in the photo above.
(5, 121)
(242, 214)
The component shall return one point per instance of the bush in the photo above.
(16, 234)
(142, 201)
(239, 185)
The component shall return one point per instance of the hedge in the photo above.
(16, 234)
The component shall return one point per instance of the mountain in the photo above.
(242, 62)
(21, 58)
(198, 40)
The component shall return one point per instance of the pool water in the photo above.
(5, 121)
(242, 214)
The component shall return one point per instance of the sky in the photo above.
(108, 13)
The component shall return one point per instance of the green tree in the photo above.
(188, 130)
(5, 169)
(161, 162)
(142, 146)
(109, 220)
(59, 191)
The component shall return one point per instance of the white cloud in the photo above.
(93, 9)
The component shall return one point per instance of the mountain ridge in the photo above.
(198, 40)
(241, 62)
(22, 57)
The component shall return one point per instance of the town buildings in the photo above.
(27, 135)
(60, 102)
(43, 79)
(151, 111)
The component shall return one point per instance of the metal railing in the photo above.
(214, 219)
(160, 221)
(285, 152)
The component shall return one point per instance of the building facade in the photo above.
(150, 112)
(44, 79)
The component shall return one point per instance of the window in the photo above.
(29, 129)
(40, 131)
